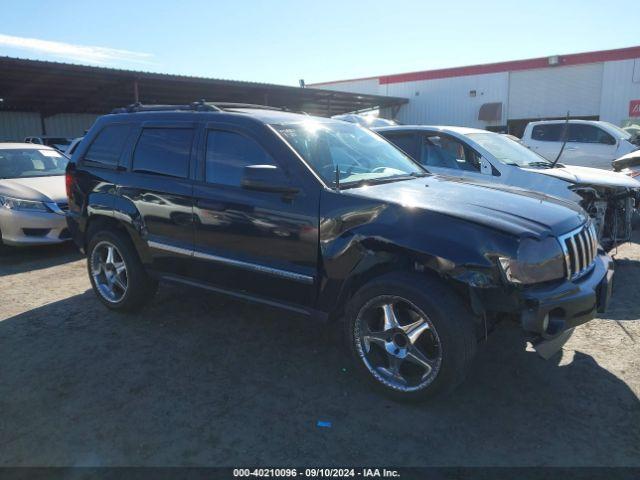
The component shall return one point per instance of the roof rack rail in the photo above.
(199, 106)
(224, 105)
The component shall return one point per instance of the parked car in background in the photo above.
(33, 200)
(328, 220)
(592, 144)
(483, 156)
(368, 121)
(628, 164)
(59, 143)
(72, 146)
(633, 130)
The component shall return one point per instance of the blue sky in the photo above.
(283, 41)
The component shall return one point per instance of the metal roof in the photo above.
(52, 87)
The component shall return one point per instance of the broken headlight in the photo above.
(537, 261)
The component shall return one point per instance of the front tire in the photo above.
(117, 275)
(410, 335)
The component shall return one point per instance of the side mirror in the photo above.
(266, 178)
(485, 167)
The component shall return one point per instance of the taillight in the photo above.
(68, 183)
(634, 173)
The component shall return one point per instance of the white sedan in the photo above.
(33, 201)
(482, 156)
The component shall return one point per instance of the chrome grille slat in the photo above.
(574, 255)
(580, 248)
(583, 250)
(587, 242)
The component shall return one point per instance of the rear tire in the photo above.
(410, 335)
(117, 275)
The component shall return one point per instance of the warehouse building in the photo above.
(63, 100)
(602, 85)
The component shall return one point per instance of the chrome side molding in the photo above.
(255, 267)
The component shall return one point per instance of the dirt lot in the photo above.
(198, 379)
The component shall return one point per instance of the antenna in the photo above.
(564, 141)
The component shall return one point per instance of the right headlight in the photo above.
(537, 261)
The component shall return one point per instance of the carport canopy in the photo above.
(51, 88)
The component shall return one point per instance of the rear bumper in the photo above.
(23, 228)
(551, 313)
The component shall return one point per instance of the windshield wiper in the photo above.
(540, 164)
(379, 180)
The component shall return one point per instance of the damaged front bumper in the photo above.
(552, 312)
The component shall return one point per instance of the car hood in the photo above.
(588, 176)
(43, 189)
(512, 210)
(629, 160)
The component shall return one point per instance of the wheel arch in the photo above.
(98, 222)
(372, 267)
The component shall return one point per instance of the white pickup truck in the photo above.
(589, 143)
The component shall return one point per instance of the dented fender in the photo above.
(361, 238)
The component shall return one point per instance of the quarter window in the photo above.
(164, 151)
(227, 155)
(108, 145)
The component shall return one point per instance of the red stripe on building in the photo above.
(542, 62)
(532, 63)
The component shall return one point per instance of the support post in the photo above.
(136, 94)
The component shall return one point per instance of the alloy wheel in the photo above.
(109, 272)
(398, 343)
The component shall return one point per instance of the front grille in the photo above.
(36, 232)
(64, 207)
(580, 249)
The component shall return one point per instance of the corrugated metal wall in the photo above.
(620, 84)
(14, 126)
(450, 101)
(69, 124)
(601, 89)
(551, 92)
(367, 86)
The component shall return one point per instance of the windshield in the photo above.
(359, 155)
(508, 151)
(26, 163)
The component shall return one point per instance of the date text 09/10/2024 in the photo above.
(316, 472)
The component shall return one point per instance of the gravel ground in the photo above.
(198, 379)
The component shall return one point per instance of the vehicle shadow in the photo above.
(24, 259)
(196, 379)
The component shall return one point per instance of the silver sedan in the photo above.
(33, 199)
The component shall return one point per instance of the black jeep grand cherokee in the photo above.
(327, 219)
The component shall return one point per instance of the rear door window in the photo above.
(107, 147)
(164, 151)
(407, 142)
(551, 132)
